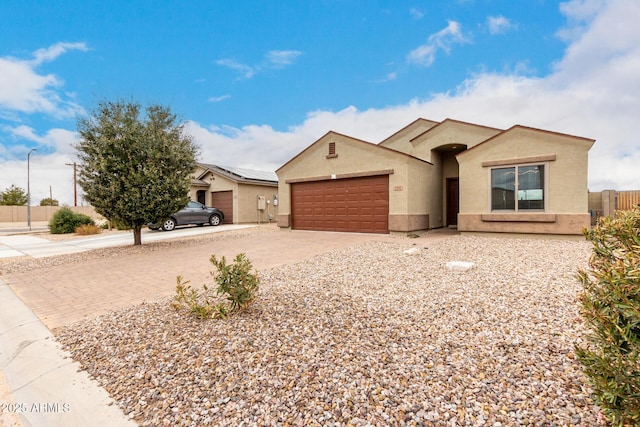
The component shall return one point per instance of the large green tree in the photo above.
(134, 168)
(13, 196)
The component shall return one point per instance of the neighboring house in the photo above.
(243, 195)
(438, 174)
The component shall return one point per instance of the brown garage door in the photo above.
(223, 200)
(354, 205)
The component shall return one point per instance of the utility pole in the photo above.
(75, 186)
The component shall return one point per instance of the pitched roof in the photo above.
(355, 140)
(242, 174)
(532, 129)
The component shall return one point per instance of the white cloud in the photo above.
(219, 98)
(246, 72)
(52, 52)
(47, 164)
(499, 24)
(24, 90)
(282, 58)
(58, 140)
(274, 59)
(593, 92)
(48, 173)
(444, 39)
(416, 14)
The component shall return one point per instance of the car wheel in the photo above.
(169, 224)
(214, 220)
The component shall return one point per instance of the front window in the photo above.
(518, 188)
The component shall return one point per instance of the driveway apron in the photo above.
(63, 294)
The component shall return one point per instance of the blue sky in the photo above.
(258, 81)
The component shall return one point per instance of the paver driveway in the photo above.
(63, 294)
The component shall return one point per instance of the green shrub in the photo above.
(66, 221)
(610, 304)
(234, 281)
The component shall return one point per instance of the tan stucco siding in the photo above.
(566, 175)
(559, 224)
(450, 134)
(218, 183)
(352, 158)
(401, 140)
(245, 196)
(356, 158)
(565, 160)
(246, 200)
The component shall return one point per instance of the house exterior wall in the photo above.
(401, 140)
(449, 133)
(424, 140)
(421, 157)
(247, 204)
(245, 195)
(565, 160)
(217, 183)
(407, 199)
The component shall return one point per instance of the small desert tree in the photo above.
(13, 196)
(134, 170)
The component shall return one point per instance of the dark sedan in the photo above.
(193, 213)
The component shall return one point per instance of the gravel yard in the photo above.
(364, 336)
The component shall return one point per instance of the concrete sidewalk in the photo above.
(20, 244)
(45, 387)
(63, 294)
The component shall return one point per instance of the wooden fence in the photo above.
(627, 200)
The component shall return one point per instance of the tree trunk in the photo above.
(137, 236)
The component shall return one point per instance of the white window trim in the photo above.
(517, 165)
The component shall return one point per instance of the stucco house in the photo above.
(243, 195)
(439, 174)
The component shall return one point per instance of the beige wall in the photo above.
(450, 133)
(565, 160)
(407, 198)
(401, 140)
(417, 190)
(423, 139)
(245, 204)
(40, 213)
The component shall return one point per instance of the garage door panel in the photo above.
(355, 204)
(223, 200)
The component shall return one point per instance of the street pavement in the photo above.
(20, 244)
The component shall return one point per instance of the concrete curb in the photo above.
(46, 387)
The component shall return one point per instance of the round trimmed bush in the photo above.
(66, 221)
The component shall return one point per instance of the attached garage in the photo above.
(223, 200)
(437, 174)
(236, 191)
(348, 205)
